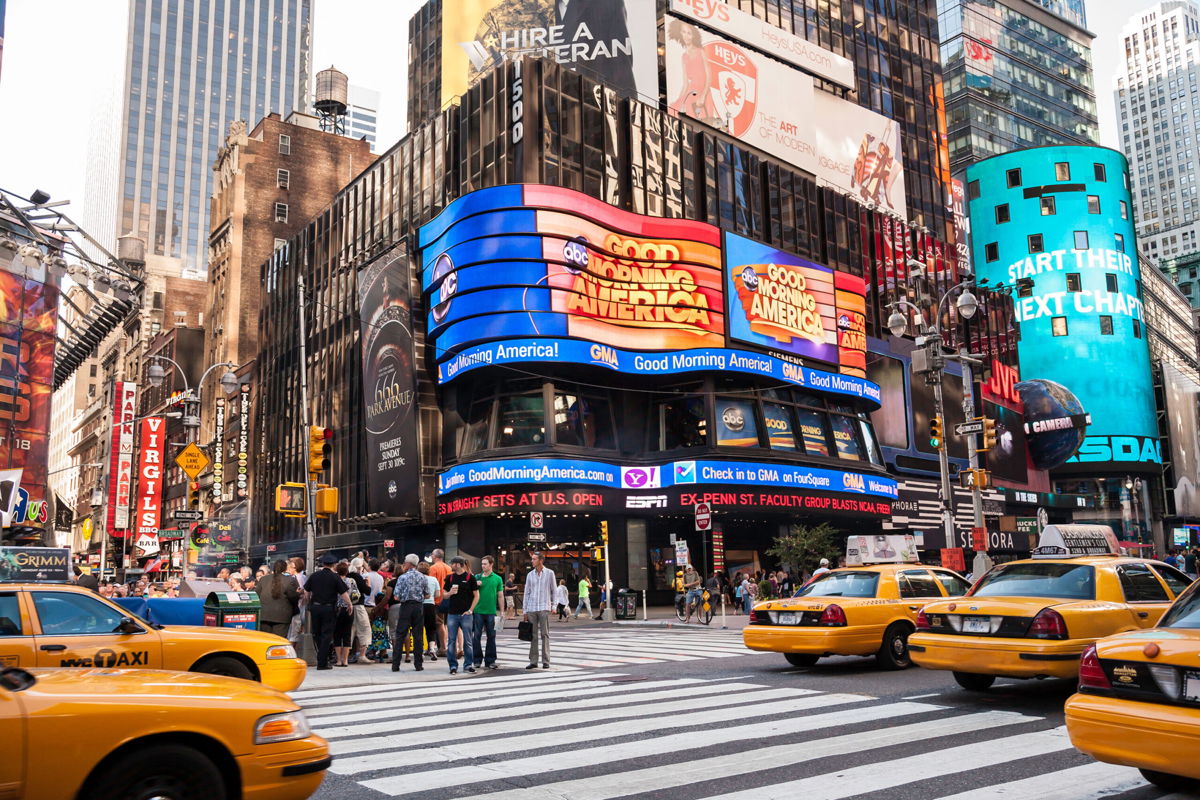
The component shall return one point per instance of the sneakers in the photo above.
(453, 672)
(493, 666)
(470, 670)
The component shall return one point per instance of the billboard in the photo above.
(769, 39)
(783, 302)
(389, 386)
(1080, 310)
(612, 41)
(772, 106)
(120, 465)
(1182, 394)
(150, 477)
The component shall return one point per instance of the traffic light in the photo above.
(319, 448)
(989, 435)
(326, 504)
(291, 499)
(194, 494)
(936, 434)
(604, 531)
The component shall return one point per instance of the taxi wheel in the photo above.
(163, 772)
(224, 665)
(801, 659)
(893, 653)
(1168, 782)
(974, 682)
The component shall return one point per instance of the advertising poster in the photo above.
(1184, 434)
(389, 386)
(218, 452)
(860, 152)
(1009, 458)
(611, 41)
(767, 38)
(120, 473)
(33, 564)
(150, 477)
(242, 486)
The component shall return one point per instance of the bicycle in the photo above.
(703, 609)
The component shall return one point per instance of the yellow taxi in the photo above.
(1138, 703)
(1033, 618)
(60, 625)
(106, 734)
(867, 610)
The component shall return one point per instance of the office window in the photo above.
(1062, 171)
(280, 243)
(1124, 210)
(1110, 281)
(1093, 204)
(1072, 281)
(1137, 329)
(1100, 173)
(1048, 206)
(991, 252)
(285, 144)
(1120, 241)
(973, 190)
(1002, 214)
(1081, 240)
(281, 212)
(1014, 177)
(1106, 328)
(283, 178)
(1025, 287)
(1058, 326)
(1035, 243)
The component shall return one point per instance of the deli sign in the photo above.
(150, 477)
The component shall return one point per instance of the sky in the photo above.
(53, 72)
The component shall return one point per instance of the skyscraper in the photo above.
(1158, 111)
(191, 68)
(362, 114)
(1018, 74)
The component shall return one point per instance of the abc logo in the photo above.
(750, 279)
(444, 268)
(575, 253)
(733, 418)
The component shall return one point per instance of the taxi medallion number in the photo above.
(977, 625)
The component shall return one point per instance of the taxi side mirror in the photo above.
(128, 625)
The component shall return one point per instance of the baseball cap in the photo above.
(329, 558)
(824, 562)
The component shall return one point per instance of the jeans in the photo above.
(484, 623)
(322, 631)
(584, 601)
(410, 619)
(454, 623)
(541, 636)
(746, 603)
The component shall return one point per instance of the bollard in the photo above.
(723, 625)
(645, 612)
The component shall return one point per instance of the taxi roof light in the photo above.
(1048, 624)
(1168, 679)
(833, 615)
(1091, 674)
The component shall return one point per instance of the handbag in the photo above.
(525, 631)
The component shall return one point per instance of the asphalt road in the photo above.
(704, 719)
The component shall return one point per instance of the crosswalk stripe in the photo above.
(557, 649)
(684, 715)
(882, 775)
(1087, 782)
(597, 708)
(414, 782)
(474, 691)
(666, 776)
(388, 685)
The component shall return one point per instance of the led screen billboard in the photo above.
(611, 41)
(549, 274)
(1056, 220)
(1182, 394)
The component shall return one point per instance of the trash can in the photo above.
(232, 610)
(626, 605)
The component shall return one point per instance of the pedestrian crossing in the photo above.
(602, 735)
(585, 647)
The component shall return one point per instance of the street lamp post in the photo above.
(935, 362)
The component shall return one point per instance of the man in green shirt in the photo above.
(491, 601)
(585, 596)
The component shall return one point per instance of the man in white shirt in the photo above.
(821, 570)
(539, 599)
(374, 582)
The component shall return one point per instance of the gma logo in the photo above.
(604, 355)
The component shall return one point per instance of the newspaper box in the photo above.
(232, 610)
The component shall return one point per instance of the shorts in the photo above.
(510, 603)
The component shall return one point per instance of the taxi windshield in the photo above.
(1063, 581)
(841, 584)
(1186, 611)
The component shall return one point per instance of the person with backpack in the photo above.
(362, 618)
(343, 625)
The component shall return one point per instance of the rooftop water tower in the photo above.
(330, 100)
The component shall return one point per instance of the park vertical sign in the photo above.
(150, 479)
(120, 464)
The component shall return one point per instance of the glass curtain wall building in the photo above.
(193, 67)
(1018, 74)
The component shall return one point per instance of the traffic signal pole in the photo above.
(968, 379)
(310, 485)
(939, 410)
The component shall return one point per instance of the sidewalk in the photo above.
(664, 617)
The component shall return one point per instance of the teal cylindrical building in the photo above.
(1062, 217)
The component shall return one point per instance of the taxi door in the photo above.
(917, 588)
(1145, 594)
(78, 629)
(16, 632)
(12, 734)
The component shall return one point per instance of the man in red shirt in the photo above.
(440, 569)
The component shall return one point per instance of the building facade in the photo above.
(1018, 74)
(190, 70)
(1157, 97)
(362, 114)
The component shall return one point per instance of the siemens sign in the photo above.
(1055, 223)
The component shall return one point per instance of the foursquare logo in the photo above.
(685, 471)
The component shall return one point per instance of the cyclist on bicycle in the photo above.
(691, 585)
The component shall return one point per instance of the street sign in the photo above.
(388, 544)
(192, 461)
(537, 536)
(703, 517)
(967, 428)
(184, 515)
(535, 519)
(682, 556)
(979, 540)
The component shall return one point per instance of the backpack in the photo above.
(355, 594)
